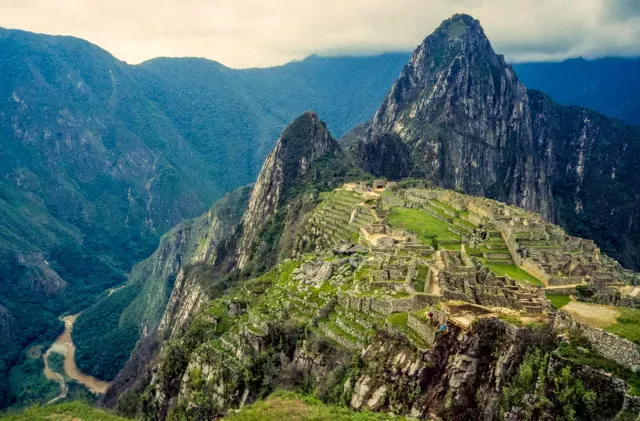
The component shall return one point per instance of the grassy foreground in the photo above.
(76, 411)
(289, 406)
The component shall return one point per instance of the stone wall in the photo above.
(607, 344)
(338, 338)
(534, 270)
(560, 291)
(423, 300)
(564, 280)
(422, 329)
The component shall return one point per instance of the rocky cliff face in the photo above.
(459, 116)
(158, 294)
(304, 142)
(464, 118)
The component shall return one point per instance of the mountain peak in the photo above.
(457, 25)
(303, 142)
(455, 61)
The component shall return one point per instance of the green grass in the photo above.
(514, 272)
(628, 324)
(398, 320)
(291, 406)
(558, 300)
(422, 223)
(286, 269)
(75, 411)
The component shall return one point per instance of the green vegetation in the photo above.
(56, 362)
(399, 321)
(514, 272)
(558, 300)
(29, 385)
(563, 395)
(579, 351)
(627, 325)
(422, 223)
(72, 411)
(282, 406)
(205, 128)
(103, 338)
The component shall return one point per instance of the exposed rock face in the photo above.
(38, 277)
(302, 143)
(465, 118)
(466, 122)
(164, 296)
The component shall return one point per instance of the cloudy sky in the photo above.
(258, 33)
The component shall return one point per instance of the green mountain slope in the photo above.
(98, 159)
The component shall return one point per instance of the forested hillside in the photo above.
(100, 158)
(608, 85)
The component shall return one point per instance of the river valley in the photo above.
(64, 346)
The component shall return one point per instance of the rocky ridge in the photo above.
(305, 141)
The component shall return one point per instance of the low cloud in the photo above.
(247, 33)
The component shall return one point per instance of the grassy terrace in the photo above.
(420, 222)
(399, 321)
(558, 300)
(514, 272)
(627, 325)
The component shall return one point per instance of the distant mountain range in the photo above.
(608, 85)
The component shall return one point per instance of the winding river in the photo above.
(64, 346)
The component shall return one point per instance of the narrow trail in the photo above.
(64, 346)
(115, 289)
(56, 377)
(434, 286)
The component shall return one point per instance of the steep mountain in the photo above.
(194, 265)
(85, 180)
(234, 115)
(459, 117)
(608, 85)
(304, 142)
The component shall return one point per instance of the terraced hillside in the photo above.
(422, 268)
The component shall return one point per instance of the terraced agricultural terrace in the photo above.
(386, 260)
(412, 262)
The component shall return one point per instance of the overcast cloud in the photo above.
(247, 33)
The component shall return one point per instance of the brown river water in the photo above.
(64, 345)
